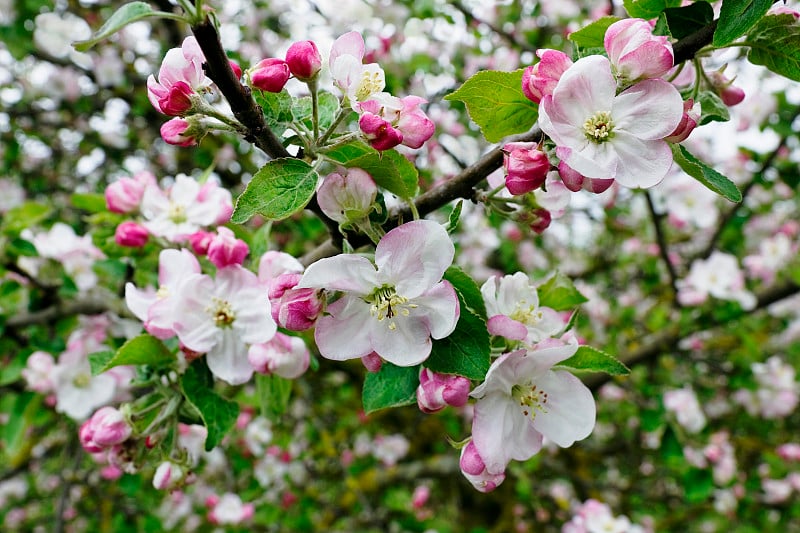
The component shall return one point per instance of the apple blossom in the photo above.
(683, 403)
(691, 114)
(269, 75)
(167, 476)
(180, 77)
(37, 372)
(512, 305)
(394, 310)
(387, 121)
(357, 81)
(131, 234)
(125, 194)
(600, 134)
(225, 249)
(436, 391)
(229, 509)
(221, 316)
(523, 400)
(540, 80)
(635, 53)
(347, 195)
(474, 469)
(284, 356)
(107, 427)
(293, 308)
(718, 276)
(304, 60)
(181, 132)
(575, 181)
(526, 167)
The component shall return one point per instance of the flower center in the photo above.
(81, 381)
(531, 399)
(529, 315)
(177, 213)
(599, 128)
(386, 303)
(372, 81)
(222, 313)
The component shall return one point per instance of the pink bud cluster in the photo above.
(106, 428)
(437, 391)
(303, 61)
(387, 121)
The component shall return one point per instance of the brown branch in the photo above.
(686, 48)
(662, 246)
(244, 107)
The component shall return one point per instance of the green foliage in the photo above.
(24, 216)
(559, 293)
(391, 386)
(775, 43)
(277, 107)
(495, 102)
(738, 16)
(590, 359)
(468, 291)
(705, 174)
(218, 414)
(648, 9)
(278, 190)
(327, 108)
(592, 35)
(390, 169)
(274, 393)
(712, 109)
(465, 351)
(123, 16)
(142, 350)
(684, 21)
(90, 202)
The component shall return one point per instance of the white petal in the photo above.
(138, 301)
(227, 360)
(414, 256)
(343, 333)
(345, 272)
(585, 89)
(406, 343)
(648, 110)
(440, 308)
(195, 325)
(501, 432)
(569, 413)
(641, 163)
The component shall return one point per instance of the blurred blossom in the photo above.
(777, 394)
(718, 276)
(54, 35)
(683, 403)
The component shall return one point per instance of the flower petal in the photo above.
(406, 343)
(343, 334)
(440, 308)
(501, 432)
(570, 411)
(507, 327)
(414, 256)
(585, 89)
(345, 272)
(648, 110)
(641, 163)
(227, 360)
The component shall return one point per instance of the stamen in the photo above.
(177, 213)
(599, 128)
(222, 313)
(386, 303)
(531, 399)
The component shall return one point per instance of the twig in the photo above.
(662, 246)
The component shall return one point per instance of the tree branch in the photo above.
(244, 108)
(662, 246)
(686, 48)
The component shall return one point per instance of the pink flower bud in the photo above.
(125, 194)
(437, 391)
(575, 181)
(270, 75)
(225, 249)
(420, 496)
(635, 53)
(379, 133)
(178, 132)
(168, 475)
(284, 356)
(541, 79)
(304, 60)
(347, 195)
(293, 309)
(526, 167)
(200, 241)
(474, 469)
(413, 123)
(372, 362)
(177, 99)
(107, 427)
(730, 94)
(789, 451)
(540, 220)
(237, 70)
(691, 114)
(131, 234)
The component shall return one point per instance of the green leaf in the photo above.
(123, 16)
(648, 9)
(279, 189)
(20, 247)
(467, 289)
(327, 108)
(698, 485)
(218, 414)
(91, 202)
(590, 359)
(390, 169)
(23, 216)
(277, 109)
(775, 43)
(736, 17)
(684, 21)
(466, 351)
(559, 293)
(455, 216)
(142, 350)
(712, 108)
(705, 174)
(495, 102)
(592, 35)
(274, 393)
(391, 386)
